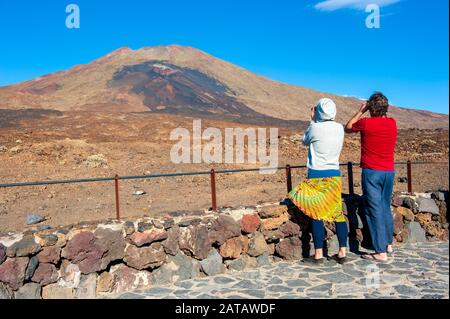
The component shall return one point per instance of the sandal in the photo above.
(339, 260)
(312, 260)
(373, 258)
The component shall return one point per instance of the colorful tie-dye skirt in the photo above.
(319, 198)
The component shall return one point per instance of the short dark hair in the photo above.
(378, 104)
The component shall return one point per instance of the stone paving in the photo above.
(418, 270)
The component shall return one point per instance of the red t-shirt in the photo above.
(378, 139)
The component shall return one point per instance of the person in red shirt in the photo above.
(378, 139)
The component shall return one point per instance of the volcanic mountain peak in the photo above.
(183, 80)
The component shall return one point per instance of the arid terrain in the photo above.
(115, 114)
(184, 81)
(50, 145)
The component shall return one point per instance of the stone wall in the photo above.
(104, 258)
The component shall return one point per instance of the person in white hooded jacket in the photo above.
(319, 195)
(324, 137)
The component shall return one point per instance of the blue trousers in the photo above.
(318, 233)
(377, 189)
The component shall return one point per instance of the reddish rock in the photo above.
(23, 248)
(50, 254)
(257, 245)
(224, 228)
(145, 257)
(171, 243)
(2, 253)
(45, 274)
(397, 201)
(272, 211)
(276, 222)
(405, 212)
(290, 229)
(232, 248)
(195, 241)
(12, 271)
(398, 223)
(83, 251)
(434, 229)
(140, 239)
(111, 243)
(289, 248)
(250, 223)
(424, 218)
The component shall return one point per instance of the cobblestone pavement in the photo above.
(415, 271)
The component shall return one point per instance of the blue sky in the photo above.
(323, 45)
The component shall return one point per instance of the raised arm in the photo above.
(307, 136)
(349, 127)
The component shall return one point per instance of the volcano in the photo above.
(184, 81)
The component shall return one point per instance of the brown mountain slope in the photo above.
(182, 80)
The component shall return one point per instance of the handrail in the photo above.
(212, 174)
(149, 176)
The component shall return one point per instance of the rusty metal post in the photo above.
(351, 189)
(213, 190)
(288, 178)
(116, 182)
(409, 175)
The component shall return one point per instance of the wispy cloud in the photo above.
(332, 5)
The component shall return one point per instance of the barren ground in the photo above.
(58, 146)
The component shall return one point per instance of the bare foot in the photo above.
(318, 254)
(390, 249)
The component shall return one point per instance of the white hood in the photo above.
(325, 110)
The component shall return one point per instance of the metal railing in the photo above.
(212, 173)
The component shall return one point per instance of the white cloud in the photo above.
(332, 5)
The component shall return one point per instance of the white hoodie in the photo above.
(325, 138)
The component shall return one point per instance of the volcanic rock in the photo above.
(289, 248)
(250, 223)
(12, 271)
